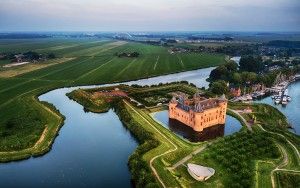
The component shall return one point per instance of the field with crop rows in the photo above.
(91, 61)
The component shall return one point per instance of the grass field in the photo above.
(85, 61)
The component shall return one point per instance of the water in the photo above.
(236, 59)
(91, 150)
(292, 109)
(231, 126)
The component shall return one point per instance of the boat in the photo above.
(248, 97)
(289, 98)
(284, 100)
(277, 97)
(277, 101)
(285, 92)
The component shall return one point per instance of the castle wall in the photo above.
(180, 115)
(199, 120)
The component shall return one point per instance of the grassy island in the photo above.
(261, 156)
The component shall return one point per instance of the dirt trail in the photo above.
(285, 160)
(243, 119)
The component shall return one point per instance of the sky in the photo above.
(149, 15)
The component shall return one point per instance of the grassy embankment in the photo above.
(244, 159)
(24, 119)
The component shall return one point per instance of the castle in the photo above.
(199, 112)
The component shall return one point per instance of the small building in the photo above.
(258, 87)
(200, 173)
(236, 92)
(247, 110)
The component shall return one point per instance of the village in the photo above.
(278, 92)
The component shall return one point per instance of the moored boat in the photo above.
(284, 100)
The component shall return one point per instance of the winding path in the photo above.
(285, 156)
(157, 156)
(242, 118)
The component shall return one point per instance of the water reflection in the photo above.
(231, 126)
(193, 136)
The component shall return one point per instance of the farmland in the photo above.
(87, 61)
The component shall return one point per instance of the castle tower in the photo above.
(223, 107)
(172, 108)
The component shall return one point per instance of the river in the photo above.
(91, 150)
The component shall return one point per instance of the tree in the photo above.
(31, 55)
(251, 64)
(231, 66)
(252, 77)
(218, 73)
(219, 87)
(51, 56)
(236, 78)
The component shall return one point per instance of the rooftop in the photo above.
(200, 171)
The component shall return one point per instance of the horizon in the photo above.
(154, 31)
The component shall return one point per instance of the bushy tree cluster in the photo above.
(251, 64)
(235, 154)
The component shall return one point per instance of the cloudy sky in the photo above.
(149, 15)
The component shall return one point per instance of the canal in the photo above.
(231, 126)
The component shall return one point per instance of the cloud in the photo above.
(149, 15)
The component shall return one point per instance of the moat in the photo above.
(231, 126)
(93, 149)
